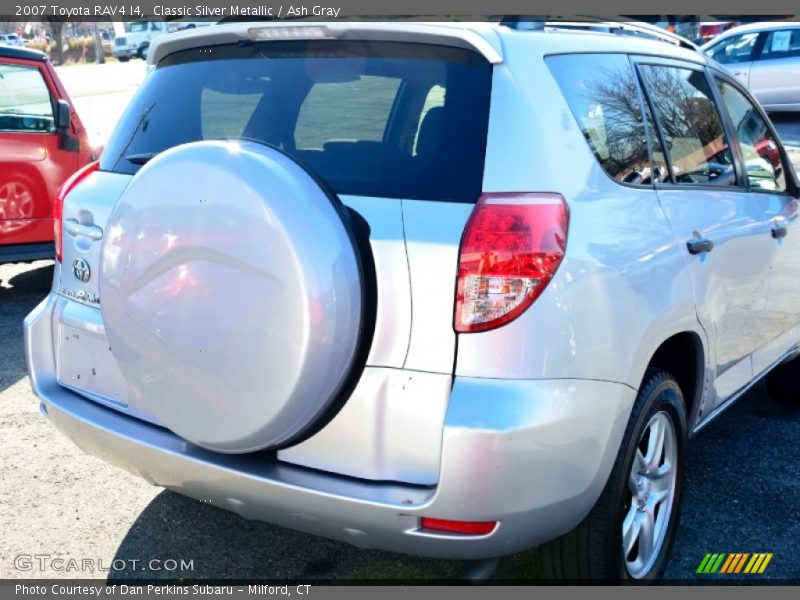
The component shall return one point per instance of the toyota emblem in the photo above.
(81, 270)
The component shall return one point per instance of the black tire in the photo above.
(142, 51)
(782, 382)
(123, 58)
(593, 550)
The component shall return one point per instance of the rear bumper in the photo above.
(533, 455)
(124, 52)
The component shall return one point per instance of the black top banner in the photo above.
(216, 10)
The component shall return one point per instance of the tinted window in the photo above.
(377, 119)
(781, 44)
(759, 148)
(25, 103)
(369, 100)
(691, 125)
(603, 94)
(735, 49)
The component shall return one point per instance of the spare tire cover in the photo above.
(231, 292)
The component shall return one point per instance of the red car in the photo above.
(42, 142)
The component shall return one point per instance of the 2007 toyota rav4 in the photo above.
(451, 290)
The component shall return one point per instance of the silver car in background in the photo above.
(453, 290)
(764, 57)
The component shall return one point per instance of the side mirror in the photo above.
(63, 116)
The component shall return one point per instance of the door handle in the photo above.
(699, 245)
(779, 231)
(75, 229)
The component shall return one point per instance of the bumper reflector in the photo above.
(463, 527)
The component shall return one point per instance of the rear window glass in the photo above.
(604, 96)
(375, 119)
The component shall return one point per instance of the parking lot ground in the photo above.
(742, 495)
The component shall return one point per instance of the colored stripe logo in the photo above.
(734, 562)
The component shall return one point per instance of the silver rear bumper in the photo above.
(533, 455)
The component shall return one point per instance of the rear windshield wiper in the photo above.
(140, 159)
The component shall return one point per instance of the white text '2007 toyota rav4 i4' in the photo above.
(450, 290)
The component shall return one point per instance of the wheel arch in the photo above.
(683, 355)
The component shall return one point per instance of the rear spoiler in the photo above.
(458, 36)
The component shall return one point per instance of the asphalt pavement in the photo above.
(742, 490)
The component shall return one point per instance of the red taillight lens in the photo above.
(511, 247)
(58, 206)
(464, 527)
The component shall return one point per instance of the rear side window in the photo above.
(603, 94)
(369, 118)
(690, 125)
(760, 150)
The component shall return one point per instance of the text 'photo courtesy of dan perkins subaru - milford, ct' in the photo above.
(310, 299)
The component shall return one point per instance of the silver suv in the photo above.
(449, 290)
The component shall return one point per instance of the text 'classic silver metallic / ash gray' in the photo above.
(447, 289)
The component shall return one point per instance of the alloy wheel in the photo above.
(649, 502)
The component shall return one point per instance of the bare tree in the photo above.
(99, 55)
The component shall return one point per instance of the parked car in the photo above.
(137, 39)
(42, 142)
(708, 30)
(449, 290)
(765, 57)
(11, 39)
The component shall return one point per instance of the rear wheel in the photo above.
(782, 382)
(629, 533)
(142, 52)
(17, 197)
(123, 58)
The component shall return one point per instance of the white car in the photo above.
(765, 57)
(11, 39)
(453, 290)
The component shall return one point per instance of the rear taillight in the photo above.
(512, 245)
(58, 205)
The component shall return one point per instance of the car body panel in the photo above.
(776, 83)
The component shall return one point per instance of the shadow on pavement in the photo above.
(223, 545)
(22, 287)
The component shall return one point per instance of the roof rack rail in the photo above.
(641, 29)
